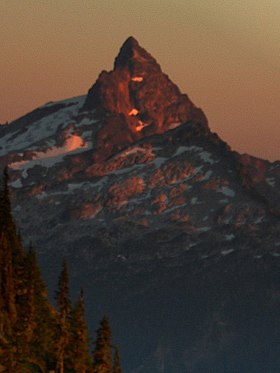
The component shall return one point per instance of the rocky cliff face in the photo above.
(157, 217)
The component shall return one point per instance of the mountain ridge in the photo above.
(130, 184)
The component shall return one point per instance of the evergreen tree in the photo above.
(8, 311)
(11, 257)
(64, 310)
(80, 358)
(102, 355)
(34, 337)
(8, 292)
(62, 294)
(42, 318)
(9, 249)
(117, 362)
(6, 219)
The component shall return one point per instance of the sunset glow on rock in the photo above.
(72, 143)
(140, 126)
(137, 79)
(133, 112)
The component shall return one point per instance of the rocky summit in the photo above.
(140, 98)
(169, 231)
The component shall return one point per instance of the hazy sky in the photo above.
(225, 54)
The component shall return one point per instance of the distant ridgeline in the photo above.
(34, 336)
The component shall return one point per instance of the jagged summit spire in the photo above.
(136, 100)
(130, 42)
(132, 51)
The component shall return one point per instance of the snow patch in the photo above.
(180, 150)
(228, 251)
(133, 150)
(159, 161)
(259, 219)
(203, 155)
(43, 128)
(206, 157)
(226, 191)
(270, 181)
(67, 101)
(16, 184)
(73, 144)
(183, 149)
(208, 175)
(121, 257)
(126, 170)
(193, 200)
(41, 195)
(86, 122)
(74, 186)
(229, 237)
(203, 229)
(100, 183)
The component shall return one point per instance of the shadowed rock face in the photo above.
(139, 96)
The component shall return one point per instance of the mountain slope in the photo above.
(151, 208)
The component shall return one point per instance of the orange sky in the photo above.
(223, 53)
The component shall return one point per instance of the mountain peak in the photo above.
(131, 54)
(130, 42)
(137, 100)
